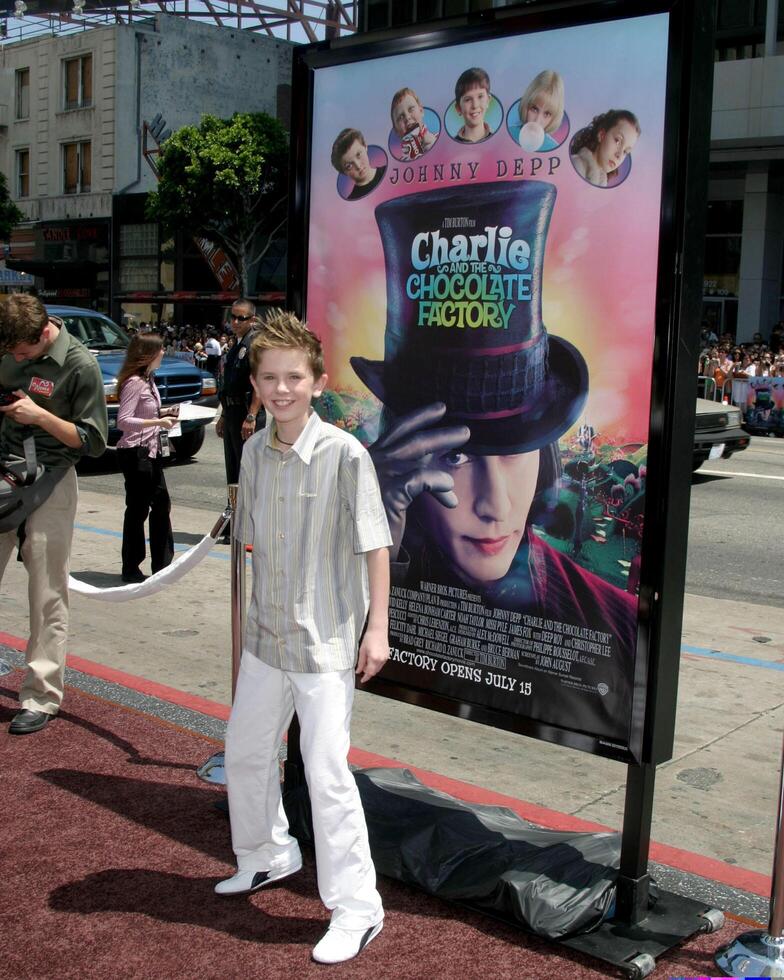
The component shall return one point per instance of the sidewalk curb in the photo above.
(736, 877)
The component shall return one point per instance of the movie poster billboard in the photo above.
(482, 227)
(763, 405)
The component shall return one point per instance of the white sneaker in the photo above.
(338, 945)
(246, 882)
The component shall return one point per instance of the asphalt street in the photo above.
(735, 526)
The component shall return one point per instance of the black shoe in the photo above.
(25, 722)
(136, 576)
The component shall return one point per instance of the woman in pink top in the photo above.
(139, 452)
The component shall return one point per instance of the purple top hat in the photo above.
(464, 316)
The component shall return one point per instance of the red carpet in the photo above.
(111, 846)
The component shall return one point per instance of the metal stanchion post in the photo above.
(212, 771)
(758, 953)
(237, 595)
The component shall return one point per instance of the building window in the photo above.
(139, 240)
(23, 93)
(22, 173)
(78, 82)
(139, 275)
(139, 263)
(740, 28)
(723, 238)
(721, 282)
(77, 167)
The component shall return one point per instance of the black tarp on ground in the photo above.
(553, 883)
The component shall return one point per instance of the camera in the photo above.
(7, 396)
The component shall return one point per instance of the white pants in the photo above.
(264, 703)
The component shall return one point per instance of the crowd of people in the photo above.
(722, 359)
(205, 346)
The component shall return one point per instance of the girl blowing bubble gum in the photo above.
(599, 150)
(541, 112)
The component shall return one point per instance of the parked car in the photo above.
(177, 380)
(717, 432)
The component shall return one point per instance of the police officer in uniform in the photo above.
(240, 406)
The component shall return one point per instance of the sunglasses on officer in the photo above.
(241, 319)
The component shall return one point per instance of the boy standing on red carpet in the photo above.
(310, 506)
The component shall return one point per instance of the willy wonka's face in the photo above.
(482, 534)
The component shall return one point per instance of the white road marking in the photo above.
(754, 476)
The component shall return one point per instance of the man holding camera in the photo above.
(59, 401)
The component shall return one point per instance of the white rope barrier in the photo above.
(155, 583)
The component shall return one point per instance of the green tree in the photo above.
(10, 214)
(226, 180)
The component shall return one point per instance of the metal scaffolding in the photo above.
(294, 20)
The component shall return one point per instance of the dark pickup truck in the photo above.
(177, 380)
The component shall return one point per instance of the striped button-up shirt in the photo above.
(139, 402)
(310, 513)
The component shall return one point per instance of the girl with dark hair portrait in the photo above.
(599, 150)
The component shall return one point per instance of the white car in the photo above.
(717, 432)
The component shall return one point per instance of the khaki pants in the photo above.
(46, 553)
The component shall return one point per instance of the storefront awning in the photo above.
(12, 277)
(187, 296)
(41, 268)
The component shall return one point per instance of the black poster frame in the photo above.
(684, 182)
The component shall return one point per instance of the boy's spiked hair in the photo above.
(471, 78)
(282, 330)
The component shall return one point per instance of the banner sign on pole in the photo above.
(481, 234)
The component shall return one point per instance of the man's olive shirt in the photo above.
(67, 382)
